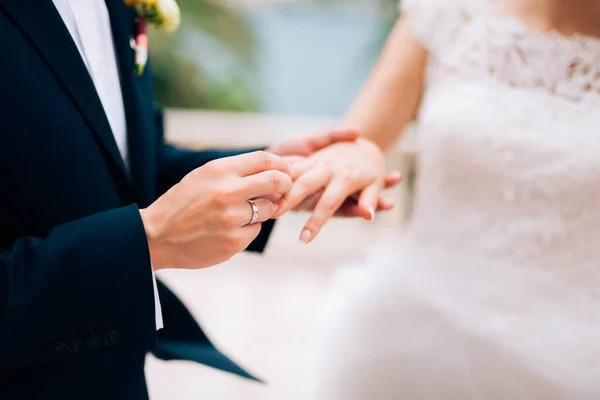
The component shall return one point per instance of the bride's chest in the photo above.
(514, 141)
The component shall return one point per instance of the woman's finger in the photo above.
(308, 184)
(332, 199)
(350, 209)
(309, 203)
(369, 199)
(386, 205)
(392, 179)
(301, 168)
(389, 181)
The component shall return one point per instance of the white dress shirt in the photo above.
(89, 24)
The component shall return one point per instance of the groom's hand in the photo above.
(203, 220)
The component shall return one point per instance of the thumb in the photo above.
(343, 135)
(368, 201)
(320, 141)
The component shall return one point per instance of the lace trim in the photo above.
(477, 38)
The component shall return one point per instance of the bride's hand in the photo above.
(350, 208)
(341, 170)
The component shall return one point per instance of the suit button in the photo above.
(75, 345)
(93, 342)
(57, 348)
(112, 339)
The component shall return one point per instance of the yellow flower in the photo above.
(168, 15)
(165, 14)
(150, 3)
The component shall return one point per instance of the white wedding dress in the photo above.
(493, 291)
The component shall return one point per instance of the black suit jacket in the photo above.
(76, 296)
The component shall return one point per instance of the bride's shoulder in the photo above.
(434, 21)
(437, 5)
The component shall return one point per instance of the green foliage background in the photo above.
(181, 82)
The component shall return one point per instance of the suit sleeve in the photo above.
(82, 290)
(174, 164)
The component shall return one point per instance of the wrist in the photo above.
(370, 146)
(158, 256)
(368, 143)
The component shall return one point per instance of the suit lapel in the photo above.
(139, 117)
(42, 24)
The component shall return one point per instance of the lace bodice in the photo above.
(510, 136)
(477, 37)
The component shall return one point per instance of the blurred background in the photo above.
(246, 73)
(274, 57)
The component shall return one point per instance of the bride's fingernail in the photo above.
(372, 213)
(275, 208)
(305, 236)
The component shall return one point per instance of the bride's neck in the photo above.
(566, 16)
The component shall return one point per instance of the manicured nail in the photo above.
(305, 236)
(372, 213)
(275, 208)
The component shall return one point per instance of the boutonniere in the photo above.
(164, 14)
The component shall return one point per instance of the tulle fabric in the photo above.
(417, 323)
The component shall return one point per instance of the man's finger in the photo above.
(332, 199)
(305, 186)
(264, 211)
(268, 183)
(274, 198)
(257, 162)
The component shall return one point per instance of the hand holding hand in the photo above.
(203, 220)
(350, 207)
(341, 171)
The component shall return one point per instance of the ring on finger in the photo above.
(254, 217)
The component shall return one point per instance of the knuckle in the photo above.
(346, 176)
(218, 202)
(329, 164)
(215, 166)
(195, 175)
(302, 186)
(280, 181)
(329, 205)
(266, 159)
(227, 218)
(275, 180)
(224, 193)
(233, 243)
